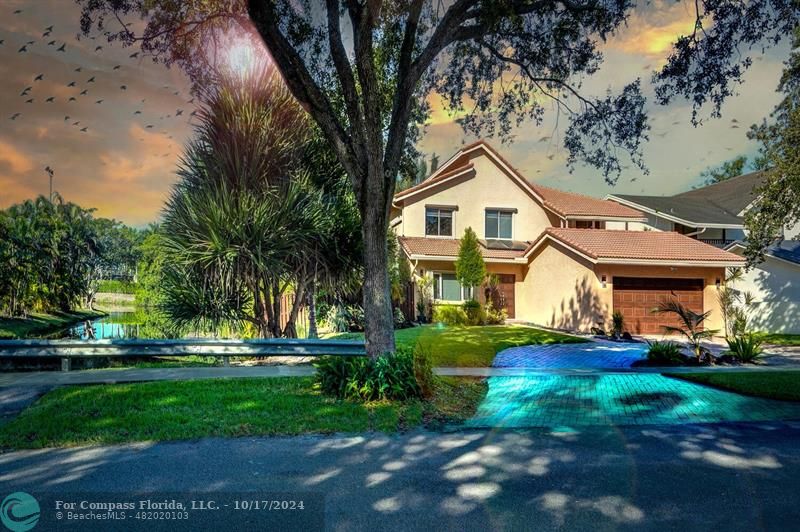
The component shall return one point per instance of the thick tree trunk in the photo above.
(379, 325)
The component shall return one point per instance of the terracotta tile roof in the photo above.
(432, 180)
(639, 245)
(562, 203)
(572, 204)
(448, 247)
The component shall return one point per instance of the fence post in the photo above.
(66, 364)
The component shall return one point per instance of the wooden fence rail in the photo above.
(68, 349)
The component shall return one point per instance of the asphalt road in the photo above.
(720, 477)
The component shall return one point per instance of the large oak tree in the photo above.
(363, 69)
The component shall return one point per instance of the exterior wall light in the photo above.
(603, 281)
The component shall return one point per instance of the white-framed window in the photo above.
(447, 288)
(499, 223)
(438, 221)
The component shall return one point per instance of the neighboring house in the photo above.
(775, 286)
(563, 260)
(714, 214)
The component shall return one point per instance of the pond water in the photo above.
(115, 325)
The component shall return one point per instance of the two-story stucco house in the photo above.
(563, 260)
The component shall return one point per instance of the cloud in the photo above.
(653, 33)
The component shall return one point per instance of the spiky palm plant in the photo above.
(248, 219)
(691, 326)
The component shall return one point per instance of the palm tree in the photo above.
(691, 326)
(249, 220)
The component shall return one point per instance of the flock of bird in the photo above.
(82, 85)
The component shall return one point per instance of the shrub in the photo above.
(617, 322)
(345, 318)
(401, 376)
(400, 321)
(423, 370)
(449, 315)
(664, 352)
(473, 312)
(116, 287)
(493, 316)
(745, 348)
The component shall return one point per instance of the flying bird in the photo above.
(116, 67)
(29, 101)
(99, 101)
(76, 123)
(40, 77)
(45, 34)
(62, 48)
(90, 80)
(134, 55)
(149, 126)
(73, 99)
(98, 48)
(2, 41)
(30, 42)
(137, 113)
(83, 129)
(176, 93)
(84, 92)
(71, 84)
(191, 101)
(123, 87)
(51, 99)
(25, 92)
(51, 43)
(78, 69)
(734, 121)
(544, 139)
(49, 28)
(193, 113)
(66, 118)
(14, 116)
(23, 49)
(734, 126)
(18, 11)
(179, 112)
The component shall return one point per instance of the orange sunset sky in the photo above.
(125, 169)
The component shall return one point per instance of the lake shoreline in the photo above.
(44, 323)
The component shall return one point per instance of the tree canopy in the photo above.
(363, 69)
(470, 267)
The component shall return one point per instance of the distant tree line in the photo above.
(53, 253)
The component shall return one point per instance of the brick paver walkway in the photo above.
(595, 354)
(616, 399)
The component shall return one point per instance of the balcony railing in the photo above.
(718, 242)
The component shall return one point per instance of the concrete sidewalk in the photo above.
(120, 375)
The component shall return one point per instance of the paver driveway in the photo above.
(594, 354)
(616, 399)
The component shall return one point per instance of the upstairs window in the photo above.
(498, 223)
(438, 221)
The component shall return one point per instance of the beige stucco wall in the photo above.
(489, 188)
(775, 286)
(560, 290)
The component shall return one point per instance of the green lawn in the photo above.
(43, 323)
(180, 410)
(470, 346)
(782, 339)
(783, 385)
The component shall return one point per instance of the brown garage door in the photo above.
(636, 297)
